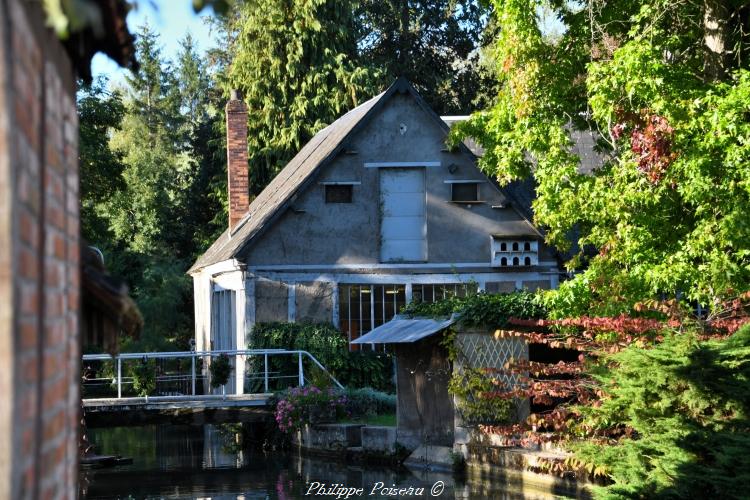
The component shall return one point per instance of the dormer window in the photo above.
(508, 251)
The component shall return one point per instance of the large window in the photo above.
(434, 293)
(365, 307)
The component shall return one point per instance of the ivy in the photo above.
(329, 346)
(474, 388)
(483, 309)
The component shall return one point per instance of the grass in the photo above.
(388, 419)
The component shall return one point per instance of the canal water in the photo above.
(208, 462)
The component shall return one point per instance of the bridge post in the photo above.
(265, 372)
(192, 372)
(301, 373)
(119, 377)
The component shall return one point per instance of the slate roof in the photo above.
(299, 172)
(322, 148)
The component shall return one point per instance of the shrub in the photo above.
(143, 374)
(676, 415)
(329, 346)
(308, 405)
(221, 369)
(367, 402)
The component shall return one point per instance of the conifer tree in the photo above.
(434, 43)
(295, 63)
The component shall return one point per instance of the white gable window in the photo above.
(515, 252)
(403, 228)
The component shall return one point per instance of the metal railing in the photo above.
(190, 382)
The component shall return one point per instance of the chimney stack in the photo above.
(237, 168)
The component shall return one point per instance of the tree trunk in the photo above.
(716, 39)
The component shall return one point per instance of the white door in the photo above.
(403, 229)
(223, 329)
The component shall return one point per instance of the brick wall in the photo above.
(239, 187)
(39, 267)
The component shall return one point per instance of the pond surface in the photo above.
(177, 461)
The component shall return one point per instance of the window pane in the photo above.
(465, 192)
(338, 193)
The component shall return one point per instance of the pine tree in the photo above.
(433, 43)
(295, 63)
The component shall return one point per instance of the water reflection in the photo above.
(172, 461)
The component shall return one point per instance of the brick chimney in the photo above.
(237, 168)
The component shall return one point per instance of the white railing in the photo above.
(240, 356)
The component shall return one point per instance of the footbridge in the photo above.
(180, 387)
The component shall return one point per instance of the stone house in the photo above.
(40, 265)
(373, 212)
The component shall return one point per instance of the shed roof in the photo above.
(403, 330)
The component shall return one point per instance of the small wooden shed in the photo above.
(425, 412)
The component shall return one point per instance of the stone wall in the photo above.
(39, 260)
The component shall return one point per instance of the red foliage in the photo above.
(564, 384)
(650, 139)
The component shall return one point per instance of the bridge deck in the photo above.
(189, 410)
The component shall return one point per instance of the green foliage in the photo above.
(152, 182)
(482, 309)
(295, 63)
(430, 42)
(327, 345)
(143, 374)
(477, 403)
(367, 402)
(666, 210)
(683, 410)
(99, 112)
(221, 369)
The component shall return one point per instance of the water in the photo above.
(173, 461)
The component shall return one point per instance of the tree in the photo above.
(666, 88)
(295, 63)
(99, 112)
(433, 43)
(150, 162)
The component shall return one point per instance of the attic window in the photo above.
(464, 191)
(338, 193)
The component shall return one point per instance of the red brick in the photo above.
(29, 369)
(55, 215)
(28, 333)
(29, 299)
(53, 306)
(28, 229)
(54, 425)
(29, 264)
(54, 185)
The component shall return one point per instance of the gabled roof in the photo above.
(320, 150)
(300, 171)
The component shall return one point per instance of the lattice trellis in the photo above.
(481, 350)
